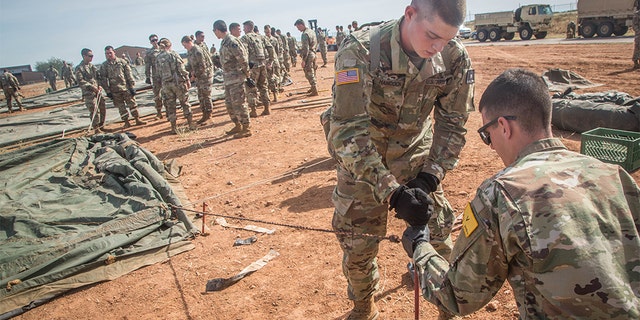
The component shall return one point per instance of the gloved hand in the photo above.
(251, 64)
(412, 236)
(147, 81)
(109, 95)
(425, 181)
(132, 91)
(412, 205)
(250, 83)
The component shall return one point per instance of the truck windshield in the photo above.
(544, 10)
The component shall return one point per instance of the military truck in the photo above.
(528, 20)
(604, 17)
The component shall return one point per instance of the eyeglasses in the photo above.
(90, 55)
(484, 135)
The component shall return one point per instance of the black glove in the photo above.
(412, 236)
(132, 91)
(425, 181)
(109, 95)
(250, 83)
(147, 81)
(412, 205)
(251, 64)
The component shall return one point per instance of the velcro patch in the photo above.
(469, 222)
(347, 76)
(471, 76)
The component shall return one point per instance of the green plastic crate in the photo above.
(613, 146)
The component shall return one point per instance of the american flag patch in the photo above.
(347, 76)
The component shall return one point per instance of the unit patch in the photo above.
(469, 222)
(347, 76)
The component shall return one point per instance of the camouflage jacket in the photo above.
(9, 82)
(233, 57)
(636, 22)
(256, 51)
(87, 76)
(115, 76)
(561, 227)
(339, 37)
(285, 46)
(293, 46)
(200, 63)
(205, 50)
(171, 69)
(277, 46)
(51, 74)
(322, 40)
(150, 63)
(308, 43)
(67, 71)
(379, 126)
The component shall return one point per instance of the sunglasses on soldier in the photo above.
(484, 135)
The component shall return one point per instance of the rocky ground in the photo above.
(283, 174)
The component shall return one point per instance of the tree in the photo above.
(42, 66)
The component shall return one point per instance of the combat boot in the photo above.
(158, 115)
(314, 91)
(206, 115)
(235, 129)
(139, 122)
(174, 127)
(636, 64)
(192, 126)
(253, 112)
(126, 124)
(275, 96)
(364, 310)
(266, 110)
(245, 132)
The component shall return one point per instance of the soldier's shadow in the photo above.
(615, 73)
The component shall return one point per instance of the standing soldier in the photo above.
(286, 59)
(175, 84)
(339, 35)
(67, 74)
(139, 60)
(52, 75)
(87, 76)
(322, 46)
(235, 66)
(293, 49)
(260, 54)
(308, 55)
(201, 68)
(11, 87)
(389, 79)
(200, 41)
(274, 75)
(636, 48)
(571, 30)
(153, 78)
(116, 79)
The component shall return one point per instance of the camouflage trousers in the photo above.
(52, 84)
(294, 59)
(261, 91)
(286, 62)
(204, 85)
(156, 84)
(636, 47)
(357, 211)
(171, 92)
(273, 74)
(68, 81)
(122, 100)
(323, 53)
(11, 94)
(284, 74)
(97, 110)
(234, 100)
(310, 69)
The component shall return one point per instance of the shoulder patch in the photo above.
(469, 222)
(471, 76)
(347, 76)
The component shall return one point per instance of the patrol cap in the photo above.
(299, 21)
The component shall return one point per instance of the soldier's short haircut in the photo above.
(107, 48)
(249, 23)
(234, 25)
(266, 26)
(521, 93)
(186, 39)
(255, 29)
(85, 51)
(299, 21)
(199, 32)
(452, 12)
(164, 43)
(153, 35)
(220, 26)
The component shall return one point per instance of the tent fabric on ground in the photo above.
(559, 80)
(583, 112)
(75, 212)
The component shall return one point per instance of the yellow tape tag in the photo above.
(469, 222)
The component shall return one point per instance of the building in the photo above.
(25, 74)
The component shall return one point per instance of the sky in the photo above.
(37, 30)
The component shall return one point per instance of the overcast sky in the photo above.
(36, 30)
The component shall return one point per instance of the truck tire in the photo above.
(495, 34)
(588, 30)
(525, 33)
(541, 35)
(605, 29)
(509, 35)
(620, 30)
(482, 35)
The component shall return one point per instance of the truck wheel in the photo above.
(588, 30)
(495, 34)
(605, 29)
(541, 35)
(525, 33)
(509, 35)
(482, 35)
(620, 31)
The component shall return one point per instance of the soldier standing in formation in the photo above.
(274, 75)
(339, 35)
(175, 84)
(139, 60)
(636, 42)
(116, 79)
(308, 55)
(322, 46)
(293, 49)
(389, 79)
(201, 67)
(286, 59)
(52, 76)
(87, 76)
(235, 66)
(67, 75)
(260, 54)
(11, 87)
(152, 76)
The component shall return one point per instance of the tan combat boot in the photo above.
(364, 310)
(245, 132)
(314, 91)
(266, 111)
(174, 127)
(205, 116)
(192, 126)
(139, 122)
(253, 112)
(126, 124)
(158, 115)
(275, 96)
(636, 64)
(235, 129)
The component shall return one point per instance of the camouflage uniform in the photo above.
(175, 82)
(379, 129)
(52, 76)
(636, 48)
(293, 50)
(273, 73)
(152, 75)
(201, 66)
(139, 61)
(308, 55)
(206, 51)
(339, 37)
(286, 59)
(116, 79)
(10, 86)
(260, 52)
(87, 76)
(67, 75)
(322, 46)
(561, 227)
(235, 66)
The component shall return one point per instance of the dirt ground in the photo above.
(283, 174)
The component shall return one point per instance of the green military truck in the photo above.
(528, 20)
(604, 17)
